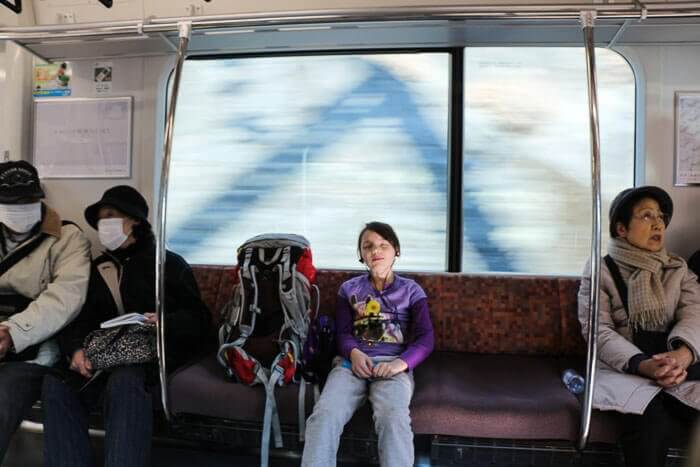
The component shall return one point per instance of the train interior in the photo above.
(466, 125)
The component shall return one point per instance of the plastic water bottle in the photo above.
(573, 381)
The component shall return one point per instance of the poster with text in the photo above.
(52, 80)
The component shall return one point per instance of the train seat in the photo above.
(201, 388)
(494, 396)
(501, 344)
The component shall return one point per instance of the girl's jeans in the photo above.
(343, 394)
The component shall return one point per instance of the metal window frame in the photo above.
(455, 166)
(455, 224)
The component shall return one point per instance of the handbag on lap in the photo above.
(123, 345)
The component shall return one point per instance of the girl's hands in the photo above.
(362, 365)
(389, 369)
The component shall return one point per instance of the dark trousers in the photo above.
(20, 387)
(646, 438)
(128, 420)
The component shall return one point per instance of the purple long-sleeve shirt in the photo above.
(393, 322)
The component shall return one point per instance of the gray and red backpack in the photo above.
(264, 338)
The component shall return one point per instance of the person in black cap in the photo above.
(44, 272)
(649, 335)
(122, 281)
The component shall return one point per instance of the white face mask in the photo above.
(20, 218)
(111, 232)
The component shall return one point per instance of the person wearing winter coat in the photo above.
(649, 329)
(128, 265)
(45, 266)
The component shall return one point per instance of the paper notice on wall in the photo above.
(103, 77)
(83, 138)
(52, 80)
(687, 138)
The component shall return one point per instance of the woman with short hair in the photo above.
(649, 329)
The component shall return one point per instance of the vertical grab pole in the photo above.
(185, 29)
(587, 22)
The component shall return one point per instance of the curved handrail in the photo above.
(588, 20)
(612, 11)
(185, 31)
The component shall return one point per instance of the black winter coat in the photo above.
(186, 316)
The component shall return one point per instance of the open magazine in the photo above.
(124, 320)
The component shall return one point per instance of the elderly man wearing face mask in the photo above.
(44, 274)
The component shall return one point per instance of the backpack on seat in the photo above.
(266, 324)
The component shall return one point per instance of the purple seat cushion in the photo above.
(457, 394)
(494, 396)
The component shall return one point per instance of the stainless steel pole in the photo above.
(587, 21)
(185, 31)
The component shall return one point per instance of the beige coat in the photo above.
(615, 389)
(55, 275)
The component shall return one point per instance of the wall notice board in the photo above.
(83, 138)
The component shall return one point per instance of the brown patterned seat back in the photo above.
(522, 315)
(216, 286)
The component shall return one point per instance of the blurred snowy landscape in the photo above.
(319, 145)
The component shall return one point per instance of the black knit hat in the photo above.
(124, 198)
(631, 195)
(18, 180)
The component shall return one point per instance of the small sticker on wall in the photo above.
(103, 77)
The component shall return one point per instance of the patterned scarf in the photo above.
(646, 296)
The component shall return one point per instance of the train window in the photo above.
(527, 155)
(316, 145)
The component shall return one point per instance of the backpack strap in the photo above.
(619, 282)
(273, 259)
(20, 253)
(271, 420)
(248, 272)
(296, 314)
(110, 273)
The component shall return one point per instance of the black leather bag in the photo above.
(120, 346)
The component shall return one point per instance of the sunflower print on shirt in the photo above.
(375, 321)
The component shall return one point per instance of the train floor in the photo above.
(26, 451)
